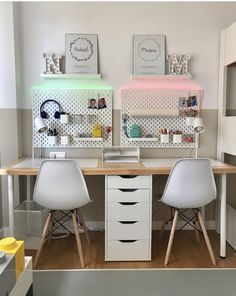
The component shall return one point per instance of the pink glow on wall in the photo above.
(144, 84)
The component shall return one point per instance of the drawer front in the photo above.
(128, 195)
(128, 211)
(132, 182)
(128, 230)
(128, 250)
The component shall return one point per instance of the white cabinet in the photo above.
(128, 218)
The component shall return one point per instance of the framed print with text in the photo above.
(149, 54)
(81, 54)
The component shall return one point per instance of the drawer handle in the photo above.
(128, 176)
(128, 203)
(128, 190)
(128, 241)
(127, 222)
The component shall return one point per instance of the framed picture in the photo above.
(81, 54)
(92, 104)
(149, 54)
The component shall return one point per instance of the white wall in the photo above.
(7, 57)
(189, 28)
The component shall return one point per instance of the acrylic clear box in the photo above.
(30, 219)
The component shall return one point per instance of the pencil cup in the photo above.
(52, 140)
(164, 139)
(65, 140)
(177, 139)
(189, 121)
(65, 118)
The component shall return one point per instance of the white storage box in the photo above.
(30, 219)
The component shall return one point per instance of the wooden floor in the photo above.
(186, 253)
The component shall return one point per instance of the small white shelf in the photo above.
(143, 139)
(71, 76)
(88, 139)
(161, 77)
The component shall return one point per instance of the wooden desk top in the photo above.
(92, 166)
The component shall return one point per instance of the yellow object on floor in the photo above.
(11, 246)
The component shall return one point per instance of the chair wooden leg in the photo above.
(197, 234)
(172, 233)
(195, 224)
(206, 238)
(84, 226)
(164, 223)
(78, 238)
(44, 235)
(50, 229)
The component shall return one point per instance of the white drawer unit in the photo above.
(126, 230)
(128, 250)
(128, 218)
(132, 182)
(128, 211)
(128, 195)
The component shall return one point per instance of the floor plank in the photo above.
(186, 253)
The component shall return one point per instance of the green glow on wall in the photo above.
(72, 84)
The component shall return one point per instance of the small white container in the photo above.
(165, 138)
(52, 140)
(65, 140)
(65, 118)
(177, 139)
(189, 121)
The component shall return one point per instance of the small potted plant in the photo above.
(190, 115)
(52, 136)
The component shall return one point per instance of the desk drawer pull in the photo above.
(128, 203)
(128, 190)
(127, 241)
(127, 176)
(127, 222)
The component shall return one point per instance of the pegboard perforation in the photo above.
(75, 102)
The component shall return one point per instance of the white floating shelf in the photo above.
(71, 76)
(161, 77)
(88, 139)
(143, 139)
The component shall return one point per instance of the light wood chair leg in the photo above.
(164, 223)
(44, 235)
(78, 238)
(206, 238)
(197, 234)
(84, 226)
(172, 233)
(50, 229)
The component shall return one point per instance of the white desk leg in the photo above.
(223, 185)
(11, 203)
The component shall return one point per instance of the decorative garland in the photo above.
(91, 48)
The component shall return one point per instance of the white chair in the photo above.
(60, 186)
(191, 185)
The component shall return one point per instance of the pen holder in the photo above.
(165, 139)
(65, 140)
(189, 121)
(65, 118)
(52, 140)
(177, 139)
